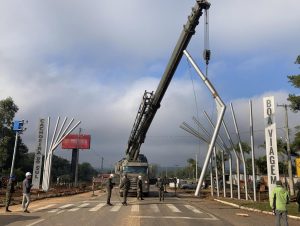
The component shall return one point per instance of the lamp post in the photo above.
(18, 128)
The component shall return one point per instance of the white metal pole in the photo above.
(59, 132)
(219, 121)
(252, 151)
(230, 176)
(196, 167)
(216, 172)
(70, 131)
(46, 142)
(58, 140)
(211, 178)
(223, 172)
(54, 134)
(237, 159)
(229, 154)
(14, 156)
(241, 151)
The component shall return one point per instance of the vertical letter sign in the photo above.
(37, 167)
(271, 142)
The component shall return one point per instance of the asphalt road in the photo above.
(87, 210)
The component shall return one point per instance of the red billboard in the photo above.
(76, 141)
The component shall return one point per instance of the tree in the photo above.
(8, 109)
(86, 172)
(60, 166)
(245, 147)
(296, 143)
(295, 81)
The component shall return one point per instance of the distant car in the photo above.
(188, 186)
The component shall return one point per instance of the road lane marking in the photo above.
(154, 208)
(60, 208)
(43, 207)
(192, 209)
(175, 217)
(116, 208)
(77, 208)
(36, 222)
(135, 208)
(173, 208)
(96, 208)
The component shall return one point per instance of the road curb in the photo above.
(252, 209)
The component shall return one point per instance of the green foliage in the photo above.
(296, 144)
(86, 172)
(8, 109)
(185, 172)
(261, 165)
(295, 81)
(245, 147)
(60, 166)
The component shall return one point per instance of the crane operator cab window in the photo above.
(136, 169)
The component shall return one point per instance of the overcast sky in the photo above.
(92, 60)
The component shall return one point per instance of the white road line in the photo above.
(36, 222)
(77, 208)
(192, 209)
(175, 217)
(96, 208)
(173, 208)
(60, 208)
(59, 212)
(135, 208)
(116, 208)
(154, 208)
(43, 207)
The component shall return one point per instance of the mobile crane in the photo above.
(135, 163)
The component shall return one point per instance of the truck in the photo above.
(134, 163)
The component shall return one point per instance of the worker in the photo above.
(125, 185)
(109, 187)
(26, 192)
(160, 186)
(278, 201)
(10, 191)
(140, 188)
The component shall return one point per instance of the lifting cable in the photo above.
(206, 56)
(206, 51)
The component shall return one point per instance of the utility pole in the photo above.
(196, 167)
(102, 164)
(291, 181)
(77, 158)
(18, 127)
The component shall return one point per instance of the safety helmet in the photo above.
(28, 174)
(140, 177)
(111, 175)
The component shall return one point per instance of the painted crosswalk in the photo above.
(173, 208)
(97, 207)
(60, 209)
(134, 208)
(77, 208)
(192, 208)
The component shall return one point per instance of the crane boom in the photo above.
(151, 101)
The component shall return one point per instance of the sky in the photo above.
(92, 61)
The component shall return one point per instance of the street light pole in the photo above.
(18, 128)
(291, 181)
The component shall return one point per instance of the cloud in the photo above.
(93, 60)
